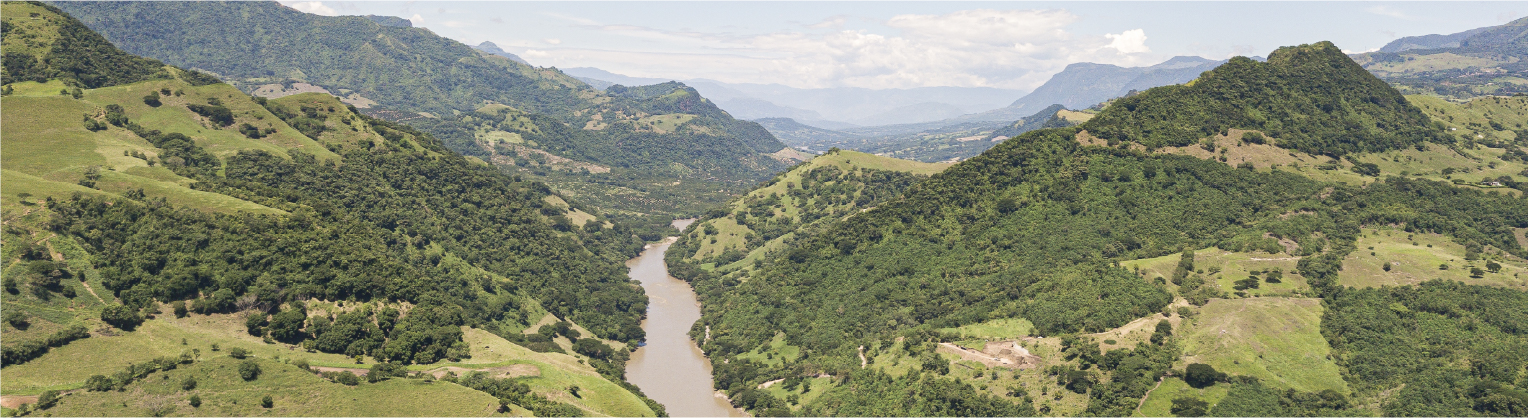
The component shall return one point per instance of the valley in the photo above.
(237, 209)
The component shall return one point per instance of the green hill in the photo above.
(790, 208)
(621, 148)
(149, 217)
(1310, 98)
(1044, 231)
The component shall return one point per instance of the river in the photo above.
(671, 369)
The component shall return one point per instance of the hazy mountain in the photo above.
(1434, 41)
(747, 108)
(1085, 84)
(803, 136)
(613, 78)
(1462, 65)
(856, 106)
(490, 48)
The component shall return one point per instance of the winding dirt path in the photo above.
(1143, 400)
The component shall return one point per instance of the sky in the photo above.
(809, 44)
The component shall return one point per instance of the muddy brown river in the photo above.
(671, 369)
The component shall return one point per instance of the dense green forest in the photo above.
(627, 145)
(1310, 98)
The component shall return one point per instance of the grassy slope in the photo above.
(1232, 266)
(47, 144)
(1469, 162)
(1274, 339)
(1160, 400)
(293, 392)
(1416, 258)
(67, 367)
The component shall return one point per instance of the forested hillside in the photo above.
(789, 209)
(152, 216)
(616, 148)
(1310, 98)
(1029, 278)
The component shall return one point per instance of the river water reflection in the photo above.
(670, 368)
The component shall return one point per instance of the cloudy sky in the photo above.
(1014, 45)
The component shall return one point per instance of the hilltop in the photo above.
(791, 208)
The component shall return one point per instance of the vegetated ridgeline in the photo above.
(186, 206)
(653, 152)
(1035, 228)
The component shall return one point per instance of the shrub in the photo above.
(180, 308)
(98, 383)
(1200, 375)
(238, 353)
(152, 99)
(121, 316)
(265, 402)
(249, 370)
(196, 401)
(47, 399)
(189, 383)
(1189, 407)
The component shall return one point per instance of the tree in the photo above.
(152, 99)
(196, 401)
(255, 323)
(1201, 375)
(249, 370)
(593, 348)
(16, 318)
(265, 402)
(98, 383)
(1493, 267)
(121, 316)
(180, 308)
(1189, 407)
(238, 353)
(1477, 272)
(47, 399)
(189, 383)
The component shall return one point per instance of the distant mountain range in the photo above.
(1487, 61)
(838, 107)
(1086, 84)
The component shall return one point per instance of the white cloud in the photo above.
(1017, 49)
(553, 41)
(1130, 42)
(457, 24)
(314, 7)
(987, 26)
(417, 19)
(1384, 10)
(1360, 52)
